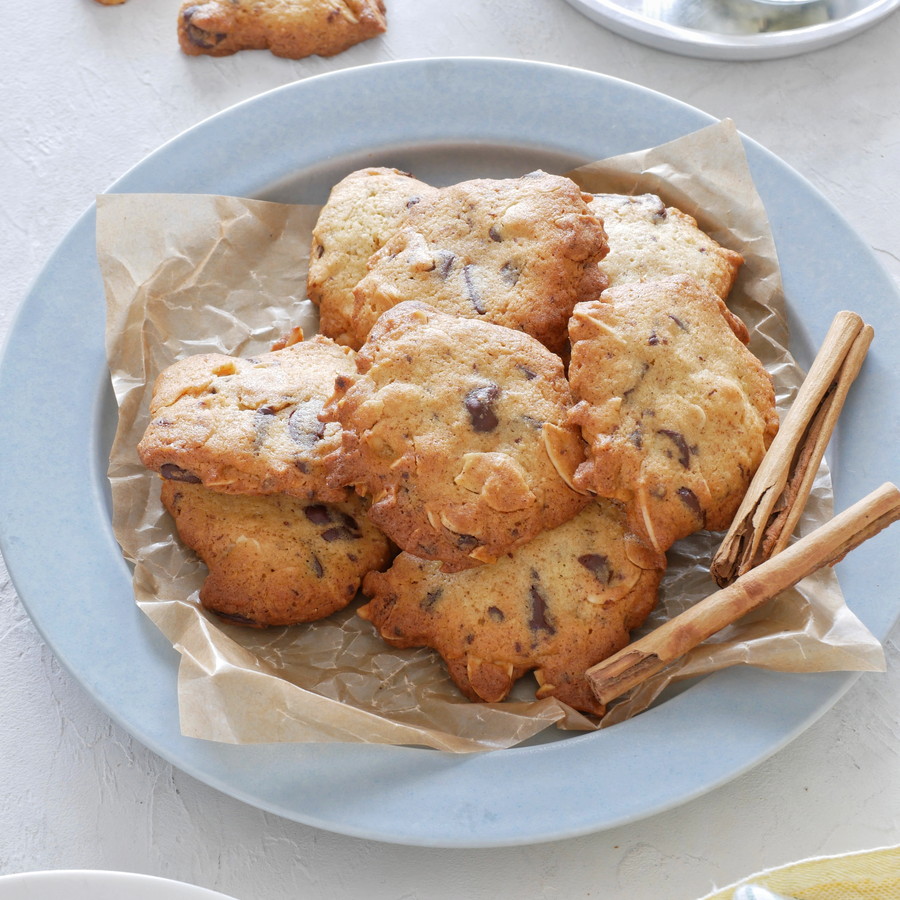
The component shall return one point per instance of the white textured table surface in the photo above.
(87, 92)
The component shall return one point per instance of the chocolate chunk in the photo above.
(467, 541)
(684, 452)
(689, 499)
(509, 273)
(444, 260)
(494, 234)
(412, 201)
(653, 340)
(304, 426)
(678, 322)
(479, 402)
(472, 291)
(538, 620)
(431, 598)
(526, 372)
(171, 472)
(200, 37)
(598, 565)
(316, 565)
(340, 533)
(319, 514)
(261, 423)
(496, 614)
(236, 618)
(636, 438)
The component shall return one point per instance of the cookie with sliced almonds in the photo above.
(248, 425)
(519, 252)
(274, 559)
(676, 411)
(290, 28)
(364, 209)
(563, 602)
(456, 430)
(649, 240)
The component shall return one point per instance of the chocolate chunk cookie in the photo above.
(456, 429)
(363, 211)
(677, 412)
(275, 560)
(248, 426)
(558, 605)
(648, 240)
(289, 28)
(518, 252)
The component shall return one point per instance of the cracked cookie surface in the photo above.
(248, 425)
(676, 411)
(456, 429)
(274, 559)
(290, 28)
(648, 241)
(519, 252)
(362, 212)
(563, 602)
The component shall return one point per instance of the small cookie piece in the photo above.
(289, 28)
(248, 426)
(363, 210)
(519, 252)
(648, 241)
(455, 429)
(677, 412)
(558, 605)
(275, 560)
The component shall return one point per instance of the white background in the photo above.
(87, 91)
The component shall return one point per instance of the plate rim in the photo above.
(819, 693)
(710, 45)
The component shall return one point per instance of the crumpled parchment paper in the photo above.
(189, 274)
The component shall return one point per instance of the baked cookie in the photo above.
(363, 211)
(558, 605)
(289, 28)
(648, 240)
(676, 411)
(456, 429)
(275, 560)
(248, 426)
(519, 252)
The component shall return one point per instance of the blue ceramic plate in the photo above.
(442, 119)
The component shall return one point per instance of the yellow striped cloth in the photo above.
(865, 875)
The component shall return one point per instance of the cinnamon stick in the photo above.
(823, 547)
(780, 488)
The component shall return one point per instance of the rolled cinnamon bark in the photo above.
(780, 488)
(823, 547)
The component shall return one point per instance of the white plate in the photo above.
(74, 884)
(737, 29)
(443, 120)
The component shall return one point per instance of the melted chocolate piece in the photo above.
(171, 472)
(444, 260)
(598, 565)
(689, 499)
(431, 598)
(317, 567)
(509, 273)
(479, 403)
(496, 614)
(684, 452)
(538, 620)
(304, 426)
(200, 37)
(472, 292)
(494, 234)
(319, 514)
(467, 541)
